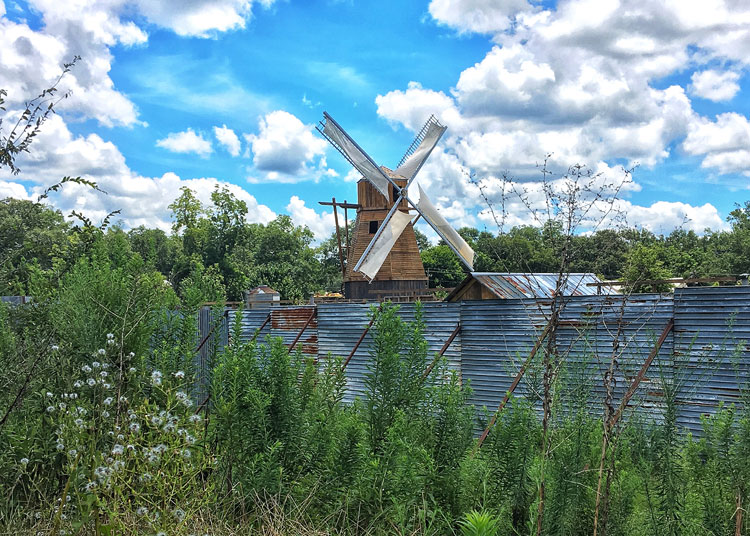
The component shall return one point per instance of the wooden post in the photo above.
(294, 343)
(346, 228)
(641, 374)
(442, 351)
(361, 338)
(513, 386)
(338, 236)
(257, 331)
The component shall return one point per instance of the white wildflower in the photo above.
(50, 409)
(106, 386)
(96, 364)
(54, 348)
(60, 446)
(103, 374)
(142, 511)
(77, 384)
(72, 453)
(195, 419)
(49, 395)
(91, 486)
(86, 369)
(186, 453)
(105, 414)
(110, 335)
(145, 477)
(131, 355)
(135, 427)
(179, 514)
(107, 401)
(79, 422)
(179, 374)
(156, 377)
(101, 351)
(91, 382)
(132, 370)
(24, 461)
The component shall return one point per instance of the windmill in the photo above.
(383, 256)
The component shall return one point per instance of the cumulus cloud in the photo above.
(228, 139)
(715, 85)
(321, 224)
(479, 16)
(142, 200)
(725, 143)
(186, 141)
(582, 83)
(284, 146)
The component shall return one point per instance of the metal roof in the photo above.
(509, 285)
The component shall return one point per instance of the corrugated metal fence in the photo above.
(705, 358)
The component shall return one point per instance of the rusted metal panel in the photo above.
(538, 285)
(288, 322)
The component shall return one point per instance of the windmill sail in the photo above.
(382, 244)
(444, 229)
(412, 164)
(356, 156)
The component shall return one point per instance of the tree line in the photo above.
(214, 243)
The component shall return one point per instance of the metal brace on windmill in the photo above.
(383, 257)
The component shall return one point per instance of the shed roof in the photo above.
(509, 285)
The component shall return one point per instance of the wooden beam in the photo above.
(312, 315)
(641, 374)
(344, 205)
(338, 238)
(513, 386)
(442, 351)
(721, 279)
(257, 331)
(361, 338)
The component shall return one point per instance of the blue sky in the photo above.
(171, 94)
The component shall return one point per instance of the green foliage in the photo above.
(479, 524)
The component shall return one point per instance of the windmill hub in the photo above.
(383, 258)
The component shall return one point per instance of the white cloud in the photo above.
(715, 85)
(227, 138)
(663, 216)
(322, 225)
(201, 19)
(186, 141)
(480, 16)
(284, 147)
(724, 142)
(142, 200)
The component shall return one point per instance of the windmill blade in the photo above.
(416, 155)
(354, 154)
(444, 229)
(381, 245)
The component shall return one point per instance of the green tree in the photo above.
(646, 263)
(442, 266)
(31, 234)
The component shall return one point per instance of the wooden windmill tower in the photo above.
(383, 257)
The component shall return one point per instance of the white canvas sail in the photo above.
(444, 229)
(384, 243)
(412, 164)
(358, 157)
